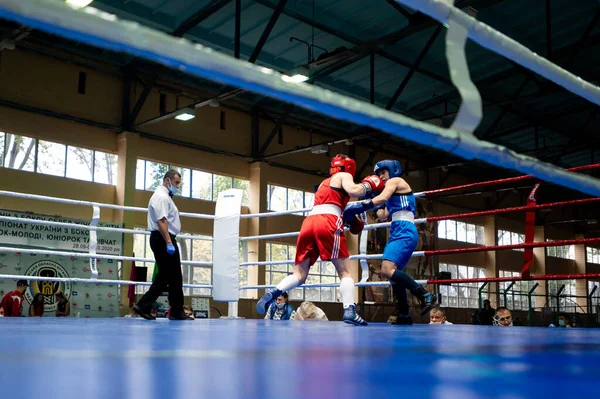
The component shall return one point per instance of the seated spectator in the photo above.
(503, 317)
(280, 309)
(437, 315)
(309, 311)
(187, 309)
(36, 309)
(486, 314)
(12, 302)
(155, 308)
(564, 320)
(63, 308)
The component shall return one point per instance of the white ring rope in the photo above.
(98, 204)
(91, 281)
(94, 27)
(493, 40)
(415, 254)
(87, 255)
(274, 213)
(95, 228)
(330, 285)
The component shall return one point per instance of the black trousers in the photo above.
(169, 276)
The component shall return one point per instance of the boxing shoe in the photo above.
(351, 317)
(263, 303)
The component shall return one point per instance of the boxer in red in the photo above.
(322, 234)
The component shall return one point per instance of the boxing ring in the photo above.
(131, 357)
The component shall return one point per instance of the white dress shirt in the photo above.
(161, 205)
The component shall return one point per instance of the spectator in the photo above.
(12, 302)
(437, 315)
(1, 311)
(280, 309)
(187, 309)
(503, 317)
(154, 309)
(309, 311)
(63, 308)
(486, 314)
(36, 309)
(564, 320)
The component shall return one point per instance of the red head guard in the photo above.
(342, 163)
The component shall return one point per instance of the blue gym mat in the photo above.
(134, 358)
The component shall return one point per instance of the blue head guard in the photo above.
(393, 167)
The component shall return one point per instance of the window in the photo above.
(80, 163)
(194, 183)
(19, 152)
(463, 295)
(593, 255)
(51, 158)
(243, 271)
(459, 231)
(566, 304)
(563, 251)
(288, 199)
(41, 156)
(194, 249)
(320, 273)
(596, 296)
(517, 297)
(510, 238)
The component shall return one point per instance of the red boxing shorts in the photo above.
(321, 236)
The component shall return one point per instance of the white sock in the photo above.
(288, 283)
(347, 291)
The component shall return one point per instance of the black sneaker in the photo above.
(142, 313)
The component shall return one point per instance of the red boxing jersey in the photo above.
(331, 195)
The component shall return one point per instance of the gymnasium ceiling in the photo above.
(379, 51)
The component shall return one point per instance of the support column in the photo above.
(491, 258)
(257, 226)
(539, 267)
(125, 195)
(580, 267)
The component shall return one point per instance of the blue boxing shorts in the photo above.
(404, 238)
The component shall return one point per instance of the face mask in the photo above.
(172, 189)
(435, 322)
(561, 323)
(280, 305)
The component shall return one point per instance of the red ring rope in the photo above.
(579, 276)
(501, 181)
(488, 248)
(513, 209)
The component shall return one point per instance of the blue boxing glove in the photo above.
(356, 208)
(170, 249)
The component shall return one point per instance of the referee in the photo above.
(164, 225)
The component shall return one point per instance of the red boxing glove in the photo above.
(372, 184)
(356, 226)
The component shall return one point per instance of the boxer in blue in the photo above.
(396, 202)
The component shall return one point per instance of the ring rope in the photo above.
(97, 256)
(89, 227)
(488, 37)
(97, 28)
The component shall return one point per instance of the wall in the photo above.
(47, 87)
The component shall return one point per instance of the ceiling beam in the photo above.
(199, 16)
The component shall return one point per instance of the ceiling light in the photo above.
(297, 78)
(78, 3)
(297, 75)
(186, 115)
